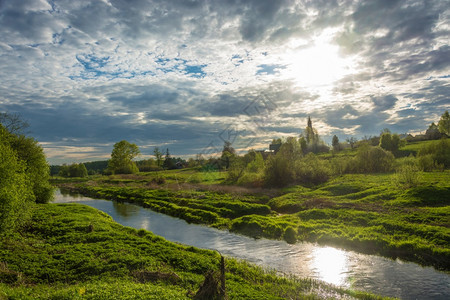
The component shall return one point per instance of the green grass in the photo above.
(367, 213)
(71, 251)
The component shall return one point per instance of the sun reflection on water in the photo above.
(331, 265)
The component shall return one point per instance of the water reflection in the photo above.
(370, 273)
(126, 210)
(331, 265)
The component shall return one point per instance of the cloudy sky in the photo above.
(188, 75)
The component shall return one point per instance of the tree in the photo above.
(122, 156)
(390, 142)
(168, 161)
(352, 141)
(433, 132)
(444, 123)
(16, 194)
(13, 123)
(386, 141)
(335, 143)
(227, 147)
(228, 155)
(310, 133)
(158, 155)
(77, 170)
(38, 171)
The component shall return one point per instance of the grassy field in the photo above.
(367, 213)
(71, 251)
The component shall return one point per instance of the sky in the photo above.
(189, 75)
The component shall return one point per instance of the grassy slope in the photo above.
(71, 251)
(367, 213)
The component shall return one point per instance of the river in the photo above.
(348, 269)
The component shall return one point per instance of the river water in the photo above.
(343, 268)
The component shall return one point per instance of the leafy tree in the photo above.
(147, 165)
(433, 132)
(370, 159)
(335, 143)
(158, 154)
(279, 170)
(257, 164)
(64, 171)
(227, 146)
(438, 153)
(16, 193)
(390, 142)
(444, 123)
(169, 163)
(78, 170)
(122, 156)
(310, 133)
(352, 141)
(291, 149)
(228, 155)
(303, 145)
(38, 171)
(386, 141)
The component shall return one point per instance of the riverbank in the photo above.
(71, 251)
(367, 213)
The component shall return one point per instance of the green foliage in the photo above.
(435, 155)
(390, 142)
(371, 159)
(73, 170)
(444, 123)
(16, 195)
(290, 235)
(279, 170)
(31, 154)
(408, 175)
(57, 258)
(373, 213)
(247, 170)
(158, 155)
(311, 170)
(335, 143)
(122, 156)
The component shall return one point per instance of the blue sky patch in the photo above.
(269, 69)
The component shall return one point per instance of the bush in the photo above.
(290, 235)
(408, 175)
(371, 159)
(438, 152)
(279, 171)
(311, 169)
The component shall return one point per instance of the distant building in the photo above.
(274, 147)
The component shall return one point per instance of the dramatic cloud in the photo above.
(188, 75)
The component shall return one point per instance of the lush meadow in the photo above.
(71, 251)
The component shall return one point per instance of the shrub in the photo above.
(371, 159)
(279, 171)
(408, 175)
(438, 151)
(290, 235)
(310, 169)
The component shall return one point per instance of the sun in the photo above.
(318, 65)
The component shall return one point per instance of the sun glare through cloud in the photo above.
(319, 65)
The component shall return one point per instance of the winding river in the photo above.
(343, 268)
